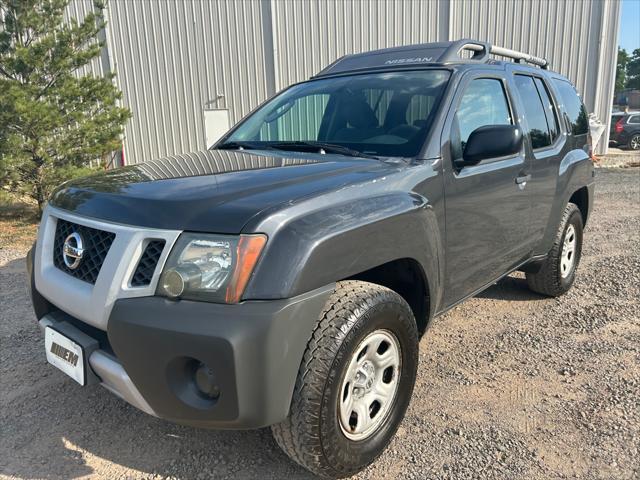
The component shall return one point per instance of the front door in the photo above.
(487, 205)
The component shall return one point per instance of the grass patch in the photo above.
(18, 223)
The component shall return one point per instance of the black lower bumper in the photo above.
(252, 349)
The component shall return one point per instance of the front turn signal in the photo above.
(248, 252)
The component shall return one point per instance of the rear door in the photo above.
(544, 142)
(487, 205)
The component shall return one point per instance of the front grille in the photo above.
(96, 244)
(147, 264)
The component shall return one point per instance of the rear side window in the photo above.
(634, 119)
(576, 113)
(534, 111)
(549, 110)
(483, 103)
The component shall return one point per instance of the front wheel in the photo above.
(354, 383)
(558, 271)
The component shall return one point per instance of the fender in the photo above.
(307, 249)
(574, 172)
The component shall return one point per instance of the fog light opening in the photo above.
(206, 382)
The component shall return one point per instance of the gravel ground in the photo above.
(510, 385)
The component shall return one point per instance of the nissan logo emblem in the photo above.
(72, 250)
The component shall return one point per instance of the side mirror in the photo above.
(491, 141)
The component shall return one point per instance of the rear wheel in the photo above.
(354, 383)
(634, 141)
(558, 272)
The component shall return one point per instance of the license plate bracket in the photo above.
(68, 349)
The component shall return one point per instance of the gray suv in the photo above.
(625, 130)
(284, 277)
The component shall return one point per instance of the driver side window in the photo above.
(484, 102)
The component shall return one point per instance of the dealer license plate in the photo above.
(64, 354)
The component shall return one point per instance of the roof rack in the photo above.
(475, 46)
(428, 53)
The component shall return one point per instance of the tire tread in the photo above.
(299, 434)
(546, 281)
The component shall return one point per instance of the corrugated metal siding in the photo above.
(172, 57)
(605, 77)
(78, 9)
(567, 33)
(309, 35)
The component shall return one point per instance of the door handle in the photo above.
(523, 180)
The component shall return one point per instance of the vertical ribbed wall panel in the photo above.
(172, 58)
(578, 37)
(309, 35)
(78, 9)
(558, 31)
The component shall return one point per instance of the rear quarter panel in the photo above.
(573, 172)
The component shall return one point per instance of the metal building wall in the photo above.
(172, 57)
(308, 36)
(578, 37)
(77, 10)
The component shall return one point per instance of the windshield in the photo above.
(381, 114)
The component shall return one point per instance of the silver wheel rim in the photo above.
(568, 257)
(635, 142)
(370, 385)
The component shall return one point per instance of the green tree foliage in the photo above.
(633, 70)
(621, 69)
(53, 122)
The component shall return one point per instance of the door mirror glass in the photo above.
(491, 141)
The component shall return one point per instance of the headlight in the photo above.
(214, 268)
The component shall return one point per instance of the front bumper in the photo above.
(152, 347)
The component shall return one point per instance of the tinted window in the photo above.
(418, 110)
(634, 119)
(483, 103)
(297, 121)
(550, 112)
(533, 111)
(367, 113)
(576, 113)
(379, 101)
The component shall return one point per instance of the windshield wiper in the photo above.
(320, 146)
(243, 146)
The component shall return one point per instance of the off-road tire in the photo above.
(548, 279)
(311, 435)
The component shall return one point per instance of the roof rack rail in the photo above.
(427, 53)
(481, 49)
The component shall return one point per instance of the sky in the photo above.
(629, 34)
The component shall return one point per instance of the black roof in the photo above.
(440, 53)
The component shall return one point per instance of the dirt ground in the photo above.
(511, 385)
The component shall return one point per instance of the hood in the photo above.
(214, 191)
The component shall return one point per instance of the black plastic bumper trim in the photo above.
(254, 349)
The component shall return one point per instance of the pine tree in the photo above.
(621, 69)
(633, 70)
(53, 122)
